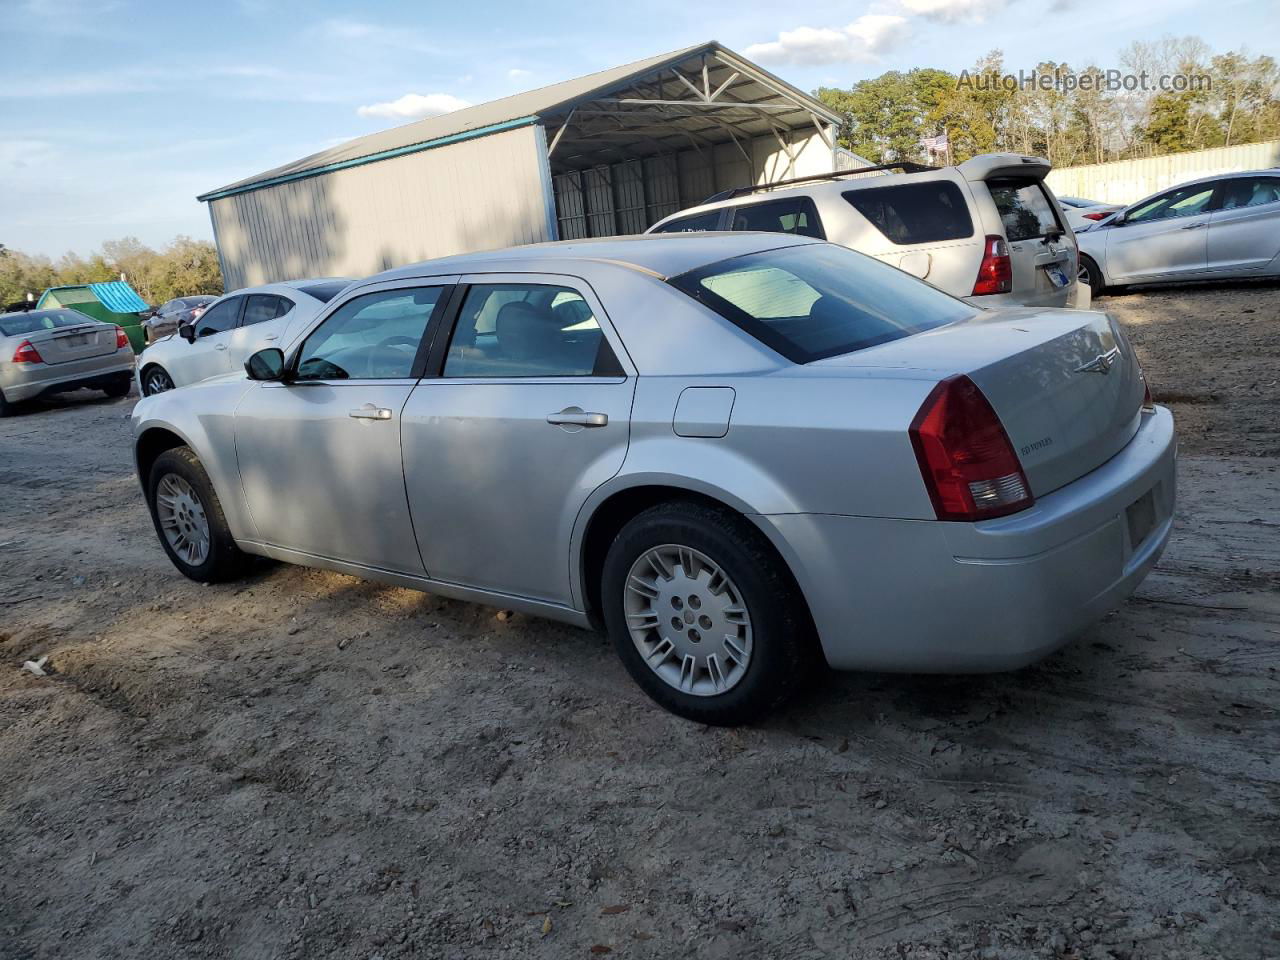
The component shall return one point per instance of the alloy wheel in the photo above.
(688, 620)
(182, 519)
(157, 381)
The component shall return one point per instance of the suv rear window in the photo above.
(909, 213)
(819, 300)
(1024, 209)
(698, 223)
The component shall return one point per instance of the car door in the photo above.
(260, 326)
(319, 452)
(1244, 230)
(206, 355)
(1162, 238)
(528, 412)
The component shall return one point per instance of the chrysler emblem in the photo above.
(1101, 363)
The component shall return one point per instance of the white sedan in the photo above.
(742, 454)
(221, 338)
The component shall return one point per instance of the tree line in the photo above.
(184, 267)
(1080, 116)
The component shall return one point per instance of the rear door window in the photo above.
(1024, 209)
(260, 308)
(696, 224)
(911, 213)
(1250, 192)
(793, 215)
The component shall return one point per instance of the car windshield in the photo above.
(819, 300)
(15, 324)
(325, 290)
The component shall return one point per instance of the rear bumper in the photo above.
(935, 597)
(1068, 296)
(27, 381)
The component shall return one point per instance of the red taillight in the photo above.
(996, 273)
(969, 466)
(1095, 216)
(122, 338)
(26, 353)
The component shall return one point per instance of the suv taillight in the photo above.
(996, 273)
(969, 466)
(122, 338)
(26, 353)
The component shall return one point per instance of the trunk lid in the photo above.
(80, 342)
(1064, 383)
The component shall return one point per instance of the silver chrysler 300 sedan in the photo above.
(741, 454)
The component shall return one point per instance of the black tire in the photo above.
(118, 388)
(784, 648)
(155, 379)
(225, 561)
(1091, 275)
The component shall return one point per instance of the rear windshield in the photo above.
(15, 324)
(925, 212)
(819, 300)
(325, 290)
(1024, 209)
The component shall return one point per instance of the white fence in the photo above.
(1125, 181)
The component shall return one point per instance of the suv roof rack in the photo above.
(906, 166)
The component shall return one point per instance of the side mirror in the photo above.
(187, 332)
(266, 365)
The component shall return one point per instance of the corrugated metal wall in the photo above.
(631, 196)
(1127, 181)
(475, 195)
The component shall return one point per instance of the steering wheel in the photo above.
(396, 341)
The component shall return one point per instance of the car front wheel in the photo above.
(704, 615)
(189, 521)
(156, 380)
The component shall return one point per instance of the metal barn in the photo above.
(609, 153)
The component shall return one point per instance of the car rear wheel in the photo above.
(703, 614)
(155, 380)
(118, 388)
(189, 521)
(1090, 274)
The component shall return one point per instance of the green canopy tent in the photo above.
(114, 302)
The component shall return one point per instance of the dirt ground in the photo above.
(310, 766)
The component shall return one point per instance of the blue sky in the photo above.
(116, 113)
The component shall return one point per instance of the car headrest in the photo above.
(523, 329)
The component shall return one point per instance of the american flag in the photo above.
(936, 144)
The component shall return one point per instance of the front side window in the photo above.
(698, 223)
(220, 317)
(792, 215)
(1183, 202)
(374, 337)
(820, 300)
(1024, 209)
(528, 330)
(1250, 192)
(928, 212)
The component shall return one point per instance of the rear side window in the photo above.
(819, 300)
(910, 213)
(792, 215)
(696, 224)
(1024, 209)
(1250, 192)
(262, 307)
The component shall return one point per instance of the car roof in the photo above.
(660, 255)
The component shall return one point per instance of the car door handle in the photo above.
(1195, 226)
(572, 416)
(370, 412)
(271, 336)
(219, 346)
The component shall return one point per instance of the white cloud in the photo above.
(863, 40)
(414, 106)
(952, 11)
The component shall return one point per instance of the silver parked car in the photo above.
(53, 351)
(742, 454)
(1083, 214)
(988, 229)
(224, 333)
(1216, 228)
(171, 314)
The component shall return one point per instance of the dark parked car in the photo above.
(166, 318)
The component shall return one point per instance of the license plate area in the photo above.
(1141, 518)
(1057, 276)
